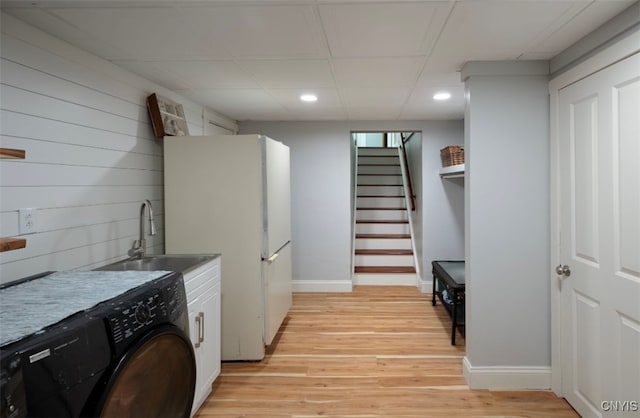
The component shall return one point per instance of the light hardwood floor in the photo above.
(376, 352)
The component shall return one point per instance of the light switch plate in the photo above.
(28, 221)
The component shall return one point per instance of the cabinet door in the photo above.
(206, 339)
(210, 338)
(194, 336)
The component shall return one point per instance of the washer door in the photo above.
(155, 378)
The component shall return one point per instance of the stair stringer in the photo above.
(407, 198)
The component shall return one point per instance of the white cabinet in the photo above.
(203, 298)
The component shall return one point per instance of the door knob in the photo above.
(563, 270)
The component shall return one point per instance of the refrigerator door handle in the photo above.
(275, 255)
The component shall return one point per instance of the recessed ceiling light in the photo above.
(442, 95)
(308, 97)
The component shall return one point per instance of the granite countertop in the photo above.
(28, 307)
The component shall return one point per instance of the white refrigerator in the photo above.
(230, 194)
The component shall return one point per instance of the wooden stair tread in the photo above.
(383, 236)
(385, 269)
(370, 208)
(375, 221)
(383, 252)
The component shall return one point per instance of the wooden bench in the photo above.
(449, 286)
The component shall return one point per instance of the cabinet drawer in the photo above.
(199, 276)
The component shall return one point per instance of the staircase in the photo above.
(383, 252)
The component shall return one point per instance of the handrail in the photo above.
(354, 212)
(412, 195)
(404, 168)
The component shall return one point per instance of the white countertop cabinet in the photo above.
(203, 297)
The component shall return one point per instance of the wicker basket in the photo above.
(452, 155)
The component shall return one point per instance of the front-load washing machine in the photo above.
(129, 355)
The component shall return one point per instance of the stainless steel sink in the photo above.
(179, 263)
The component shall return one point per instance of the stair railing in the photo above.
(355, 210)
(409, 197)
(406, 164)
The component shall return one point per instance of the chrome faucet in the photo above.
(139, 246)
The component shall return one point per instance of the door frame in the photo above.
(602, 59)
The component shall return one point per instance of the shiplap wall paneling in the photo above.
(91, 155)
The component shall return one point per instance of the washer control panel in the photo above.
(130, 315)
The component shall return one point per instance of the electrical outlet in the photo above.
(28, 222)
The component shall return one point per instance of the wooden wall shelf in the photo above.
(10, 244)
(452, 171)
(15, 154)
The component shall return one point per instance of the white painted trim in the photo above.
(505, 377)
(376, 279)
(624, 48)
(209, 116)
(503, 68)
(598, 39)
(426, 286)
(322, 286)
(554, 247)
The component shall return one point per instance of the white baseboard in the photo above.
(377, 279)
(426, 286)
(506, 378)
(322, 286)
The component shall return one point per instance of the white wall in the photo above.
(443, 199)
(321, 194)
(91, 157)
(507, 225)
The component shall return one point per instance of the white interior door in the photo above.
(599, 200)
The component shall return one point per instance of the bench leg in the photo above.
(454, 318)
(433, 292)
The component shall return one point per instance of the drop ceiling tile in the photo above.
(250, 31)
(153, 73)
(428, 79)
(381, 29)
(574, 26)
(144, 32)
(374, 113)
(207, 74)
(240, 104)
(290, 73)
(377, 72)
(326, 113)
(52, 24)
(290, 98)
(232, 47)
(411, 113)
(421, 103)
(492, 30)
(374, 97)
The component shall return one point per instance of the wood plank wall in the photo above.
(91, 154)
